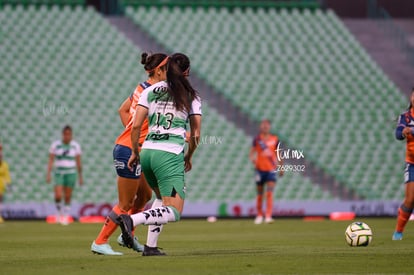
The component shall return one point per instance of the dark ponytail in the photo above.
(183, 62)
(152, 61)
(180, 90)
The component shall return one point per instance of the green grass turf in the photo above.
(198, 247)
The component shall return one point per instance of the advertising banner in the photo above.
(38, 210)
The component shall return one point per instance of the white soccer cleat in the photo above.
(137, 246)
(64, 220)
(269, 220)
(258, 220)
(59, 218)
(104, 249)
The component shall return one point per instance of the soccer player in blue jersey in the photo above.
(405, 130)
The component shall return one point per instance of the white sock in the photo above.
(156, 216)
(154, 230)
(66, 210)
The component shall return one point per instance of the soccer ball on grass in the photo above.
(358, 234)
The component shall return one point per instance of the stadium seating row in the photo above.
(294, 4)
(43, 2)
(304, 71)
(58, 68)
(69, 65)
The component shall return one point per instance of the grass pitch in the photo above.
(198, 247)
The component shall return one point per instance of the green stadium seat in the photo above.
(341, 71)
(295, 65)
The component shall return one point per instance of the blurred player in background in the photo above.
(168, 106)
(405, 130)
(263, 156)
(5, 179)
(133, 190)
(65, 158)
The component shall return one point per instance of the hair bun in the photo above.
(144, 57)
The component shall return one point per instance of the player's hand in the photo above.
(187, 164)
(406, 131)
(48, 178)
(133, 161)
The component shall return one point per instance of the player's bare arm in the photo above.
(123, 111)
(406, 131)
(79, 168)
(195, 125)
(139, 118)
(252, 155)
(50, 167)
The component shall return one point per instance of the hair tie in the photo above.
(159, 65)
(187, 72)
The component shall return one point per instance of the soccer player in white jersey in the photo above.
(65, 158)
(133, 190)
(169, 105)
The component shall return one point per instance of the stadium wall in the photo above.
(234, 209)
(360, 9)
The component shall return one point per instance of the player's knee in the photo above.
(177, 213)
(409, 203)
